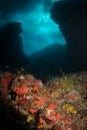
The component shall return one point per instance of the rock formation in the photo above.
(72, 20)
(11, 49)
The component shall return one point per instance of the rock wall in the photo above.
(72, 20)
(11, 49)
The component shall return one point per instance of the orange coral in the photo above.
(32, 111)
(35, 96)
(54, 117)
(67, 120)
(35, 88)
(52, 113)
(41, 120)
(51, 106)
(44, 99)
(22, 90)
(58, 116)
(38, 103)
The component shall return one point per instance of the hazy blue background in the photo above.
(39, 31)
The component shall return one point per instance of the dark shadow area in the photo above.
(53, 60)
(11, 49)
(71, 16)
(9, 118)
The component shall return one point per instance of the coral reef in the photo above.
(58, 104)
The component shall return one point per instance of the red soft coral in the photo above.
(23, 89)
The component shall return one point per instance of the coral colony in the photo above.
(49, 106)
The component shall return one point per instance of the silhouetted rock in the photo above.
(11, 49)
(71, 16)
(51, 60)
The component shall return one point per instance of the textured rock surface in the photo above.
(72, 19)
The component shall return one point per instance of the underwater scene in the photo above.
(43, 64)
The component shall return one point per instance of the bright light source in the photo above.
(39, 30)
